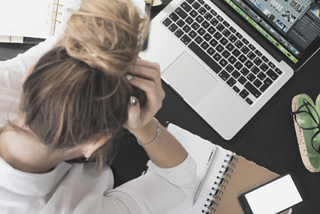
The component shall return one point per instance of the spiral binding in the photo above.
(54, 12)
(214, 197)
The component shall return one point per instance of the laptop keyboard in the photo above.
(244, 68)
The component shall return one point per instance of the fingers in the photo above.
(149, 71)
(146, 69)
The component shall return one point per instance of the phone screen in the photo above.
(274, 197)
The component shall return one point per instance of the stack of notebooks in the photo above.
(229, 176)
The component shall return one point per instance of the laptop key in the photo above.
(213, 42)
(257, 61)
(230, 47)
(251, 55)
(231, 82)
(217, 35)
(245, 41)
(189, 20)
(208, 60)
(219, 48)
(173, 27)
(236, 52)
(236, 89)
(202, 10)
(211, 51)
(181, 13)
(278, 71)
(195, 26)
(192, 34)
(193, 13)
(214, 22)
(249, 101)
(232, 59)
(238, 65)
(207, 6)
(229, 68)
(223, 62)
(257, 83)
(265, 59)
(219, 18)
(207, 37)
(208, 16)
(261, 76)
(252, 90)
(180, 23)
(245, 50)
(232, 38)
(220, 27)
(225, 54)
(224, 75)
(174, 16)
(238, 44)
(217, 57)
(204, 45)
(239, 35)
(244, 93)
(236, 74)
(199, 19)
(205, 24)
(185, 39)
(272, 74)
(244, 71)
(198, 39)
(264, 67)
(267, 82)
(242, 58)
(201, 31)
(186, 28)
(196, 5)
(186, 7)
(167, 22)
(211, 30)
(258, 53)
(179, 33)
(251, 77)
(248, 64)
(224, 41)
(242, 80)
(213, 12)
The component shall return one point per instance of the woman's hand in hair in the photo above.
(146, 76)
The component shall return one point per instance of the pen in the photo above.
(205, 174)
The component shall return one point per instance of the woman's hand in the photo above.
(147, 77)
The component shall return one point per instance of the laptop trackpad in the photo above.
(190, 78)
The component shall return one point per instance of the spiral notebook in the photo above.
(34, 18)
(229, 176)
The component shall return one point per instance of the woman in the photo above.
(77, 94)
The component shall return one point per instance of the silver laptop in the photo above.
(227, 58)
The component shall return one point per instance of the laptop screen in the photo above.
(290, 25)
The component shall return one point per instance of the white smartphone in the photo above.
(275, 196)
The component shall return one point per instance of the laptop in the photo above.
(227, 58)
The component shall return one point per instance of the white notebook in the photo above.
(230, 175)
(200, 151)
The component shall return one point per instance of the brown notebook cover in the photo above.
(242, 176)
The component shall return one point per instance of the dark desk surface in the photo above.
(268, 139)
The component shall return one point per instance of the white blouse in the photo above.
(75, 188)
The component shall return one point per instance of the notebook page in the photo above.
(200, 151)
(25, 18)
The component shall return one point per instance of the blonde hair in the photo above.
(77, 91)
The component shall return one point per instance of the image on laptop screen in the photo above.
(290, 25)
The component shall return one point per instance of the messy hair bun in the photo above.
(107, 35)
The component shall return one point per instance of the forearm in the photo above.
(166, 151)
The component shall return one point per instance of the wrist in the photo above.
(148, 134)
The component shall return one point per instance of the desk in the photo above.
(267, 139)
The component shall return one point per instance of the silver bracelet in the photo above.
(155, 139)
